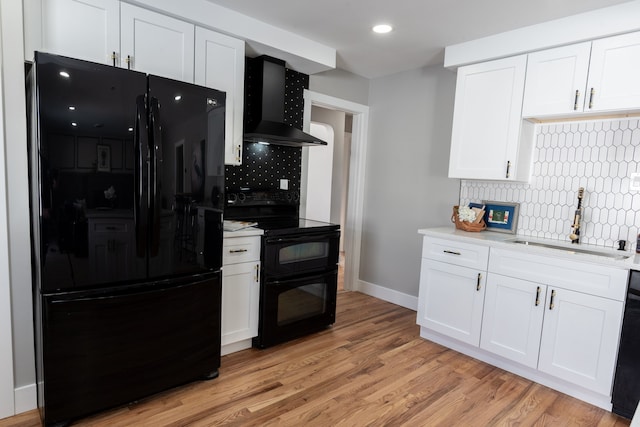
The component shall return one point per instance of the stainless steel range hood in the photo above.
(264, 103)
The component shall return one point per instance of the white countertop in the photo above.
(505, 241)
(245, 232)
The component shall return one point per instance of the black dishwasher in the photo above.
(626, 386)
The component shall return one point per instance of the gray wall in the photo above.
(341, 84)
(406, 173)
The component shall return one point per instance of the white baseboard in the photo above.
(389, 295)
(25, 398)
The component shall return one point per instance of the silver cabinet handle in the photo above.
(478, 283)
(591, 98)
(553, 295)
(538, 296)
(575, 102)
(452, 252)
(236, 251)
(508, 168)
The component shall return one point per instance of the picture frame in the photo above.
(103, 159)
(501, 216)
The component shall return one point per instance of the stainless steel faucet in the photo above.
(575, 234)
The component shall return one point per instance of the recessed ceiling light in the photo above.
(177, 97)
(382, 29)
(71, 107)
(74, 124)
(130, 129)
(64, 74)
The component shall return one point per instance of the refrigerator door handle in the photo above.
(156, 176)
(141, 146)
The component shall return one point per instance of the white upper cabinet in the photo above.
(219, 64)
(85, 29)
(487, 121)
(156, 44)
(115, 33)
(597, 77)
(613, 74)
(556, 80)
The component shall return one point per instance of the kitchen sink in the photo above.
(618, 256)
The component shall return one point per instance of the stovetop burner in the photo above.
(275, 211)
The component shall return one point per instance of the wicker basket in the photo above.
(466, 225)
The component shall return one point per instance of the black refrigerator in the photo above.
(126, 181)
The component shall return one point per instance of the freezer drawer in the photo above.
(103, 350)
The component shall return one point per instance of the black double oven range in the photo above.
(299, 261)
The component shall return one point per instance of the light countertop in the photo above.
(245, 232)
(505, 241)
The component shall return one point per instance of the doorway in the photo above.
(354, 179)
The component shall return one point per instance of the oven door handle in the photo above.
(304, 238)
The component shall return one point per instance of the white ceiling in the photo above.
(423, 28)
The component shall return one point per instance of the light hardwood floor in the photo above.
(370, 369)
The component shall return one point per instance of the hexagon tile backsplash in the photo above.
(597, 155)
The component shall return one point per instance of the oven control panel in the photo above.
(262, 198)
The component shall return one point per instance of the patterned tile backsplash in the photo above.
(597, 155)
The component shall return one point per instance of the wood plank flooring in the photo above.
(370, 369)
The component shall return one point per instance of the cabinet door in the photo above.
(219, 63)
(556, 80)
(486, 119)
(156, 44)
(84, 29)
(580, 338)
(451, 299)
(613, 74)
(512, 319)
(240, 298)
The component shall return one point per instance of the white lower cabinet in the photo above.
(240, 292)
(554, 320)
(512, 319)
(580, 339)
(451, 299)
(240, 296)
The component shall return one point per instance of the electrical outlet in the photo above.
(634, 184)
(284, 184)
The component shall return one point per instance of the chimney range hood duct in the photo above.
(264, 117)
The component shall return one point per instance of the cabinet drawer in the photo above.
(564, 273)
(240, 249)
(111, 226)
(453, 252)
